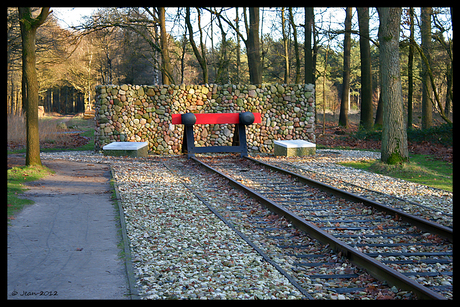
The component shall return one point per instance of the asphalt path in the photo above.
(66, 245)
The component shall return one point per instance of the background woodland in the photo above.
(210, 45)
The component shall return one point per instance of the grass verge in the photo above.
(422, 169)
(15, 180)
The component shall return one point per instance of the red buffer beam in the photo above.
(216, 118)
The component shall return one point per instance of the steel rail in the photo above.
(429, 226)
(374, 267)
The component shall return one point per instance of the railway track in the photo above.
(441, 215)
(328, 274)
(406, 251)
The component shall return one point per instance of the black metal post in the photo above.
(189, 141)
(239, 137)
(243, 146)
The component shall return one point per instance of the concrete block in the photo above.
(130, 149)
(294, 148)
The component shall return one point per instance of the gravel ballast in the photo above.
(181, 250)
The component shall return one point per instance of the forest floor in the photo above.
(336, 136)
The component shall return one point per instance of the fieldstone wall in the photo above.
(139, 113)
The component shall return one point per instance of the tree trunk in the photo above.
(182, 58)
(367, 115)
(410, 70)
(166, 69)
(324, 88)
(450, 83)
(379, 113)
(449, 74)
(394, 134)
(253, 47)
(309, 68)
(286, 50)
(66, 100)
(427, 110)
(29, 26)
(87, 99)
(238, 48)
(343, 117)
(296, 47)
(223, 61)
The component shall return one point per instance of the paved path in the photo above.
(65, 245)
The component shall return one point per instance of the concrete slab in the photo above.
(130, 149)
(65, 245)
(294, 148)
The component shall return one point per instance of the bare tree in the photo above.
(201, 57)
(429, 88)
(252, 41)
(141, 24)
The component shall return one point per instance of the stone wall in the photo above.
(143, 113)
